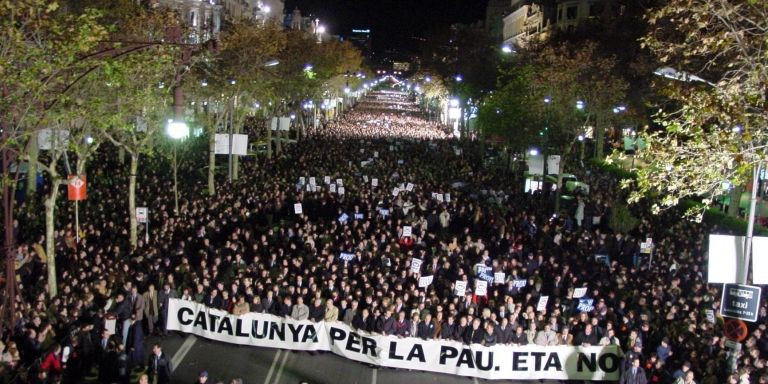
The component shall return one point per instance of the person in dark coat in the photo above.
(159, 366)
(108, 364)
(122, 365)
(136, 344)
(634, 375)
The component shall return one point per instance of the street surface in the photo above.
(192, 354)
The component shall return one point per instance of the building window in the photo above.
(193, 18)
(571, 12)
(595, 9)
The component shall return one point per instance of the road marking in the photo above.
(282, 365)
(180, 354)
(272, 367)
(374, 376)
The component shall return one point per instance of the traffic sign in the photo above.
(76, 187)
(740, 301)
(142, 214)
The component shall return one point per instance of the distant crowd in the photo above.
(361, 180)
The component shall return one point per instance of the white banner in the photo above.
(425, 281)
(499, 362)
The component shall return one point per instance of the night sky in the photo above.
(393, 22)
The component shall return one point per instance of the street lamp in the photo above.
(176, 130)
(507, 49)
(272, 63)
(579, 104)
(459, 78)
(533, 151)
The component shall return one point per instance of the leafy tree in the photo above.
(508, 113)
(576, 86)
(711, 133)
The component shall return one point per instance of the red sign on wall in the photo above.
(76, 187)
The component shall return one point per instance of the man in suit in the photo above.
(331, 312)
(634, 375)
(151, 307)
(159, 368)
(300, 311)
(163, 299)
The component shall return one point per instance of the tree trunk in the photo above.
(32, 168)
(212, 163)
(50, 241)
(279, 141)
(599, 137)
(733, 207)
(134, 236)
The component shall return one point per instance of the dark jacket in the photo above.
(160, 366)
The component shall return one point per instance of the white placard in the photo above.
(409, 187)
(111, 326)
(375, 182)
(447, 197)
(359, 216)
(341, 190)
(297, 209)
(302, 180)
(239, 144)
(579, 292)
(416, 265)
(425, 281)
(312, 181)
(542, 303)
(346, 256)
(343, 218)
(407, 231)
(710, 315)
(327, 180)
(395, 191)
(481, 287)
(439, 197)
(400, 162)
(498, 277)
(460, 288)
(724, 260)
(376, 154)
(340, 182)
(759, 260)
(332, 188)
(365, 179)
(142, 214)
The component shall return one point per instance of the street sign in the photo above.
(740, 301)
(142, 214)
(76, 187)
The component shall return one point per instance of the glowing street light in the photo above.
(177, 129)
(533, 151)
(507, 49)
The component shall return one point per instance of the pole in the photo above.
(744, 272)
(146, 236)
(175, 183)
(229, 164)
(77, 223)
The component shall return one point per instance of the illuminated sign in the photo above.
(361, 31)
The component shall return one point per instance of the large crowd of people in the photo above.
(362, 180)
